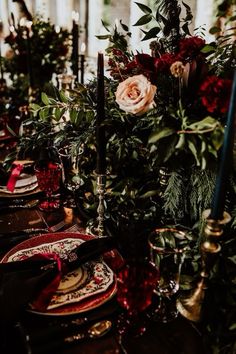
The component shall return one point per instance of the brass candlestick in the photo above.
(191, 307)
(101, 187)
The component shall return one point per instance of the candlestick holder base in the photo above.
(191, 306)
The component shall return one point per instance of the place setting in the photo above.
(20, 181)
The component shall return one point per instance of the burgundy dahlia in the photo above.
(215, 94)
(189, 48)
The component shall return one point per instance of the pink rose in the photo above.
(135, 95)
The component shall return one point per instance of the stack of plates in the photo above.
(81, 290)
(26, 182)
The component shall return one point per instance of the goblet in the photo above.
(70, 174)
(48, 176)
(136, 281)
(168, 247)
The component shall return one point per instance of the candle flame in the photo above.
(28, 24)
(22, 22)
(57, 29)
(83, 47)
(117, 23)
(75, 16)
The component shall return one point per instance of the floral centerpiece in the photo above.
(165, 111)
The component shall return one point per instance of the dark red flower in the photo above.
(164, 62)
(189, 48)
(146, 63)
(215, 94)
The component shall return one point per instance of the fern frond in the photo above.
(174, 195)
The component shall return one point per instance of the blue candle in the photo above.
(218, 202)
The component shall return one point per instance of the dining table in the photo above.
(69, 333)
(37, 333)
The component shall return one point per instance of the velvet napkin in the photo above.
(15, 173)
(36, 278)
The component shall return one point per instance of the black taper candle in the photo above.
(100, 130)
(29, 59)
(82, 69)
(75, 49)
(219, 197)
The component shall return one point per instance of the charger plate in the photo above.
(82, 290)
(26, 183)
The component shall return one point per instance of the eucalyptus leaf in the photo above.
(149, 194)
(206, 123)
(35, 106)
(186, 6)
(214, 30)
(232, 259)
(63, 97)
(160, 134)
(103, 36)
(152, 33)
(144, 8)
(73, 115)
(58, 113)
(143, 20)
(208, 49)
(181, 142)
(186, 29)
(192, 148)
(125, 28)
(45, 98)
(105, 26)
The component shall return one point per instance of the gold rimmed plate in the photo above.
(84, 289)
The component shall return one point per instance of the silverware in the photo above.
(24, 232)
(12, 238)
(97, 330)
(48, 344)
(22, 204)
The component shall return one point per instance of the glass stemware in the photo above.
(70, 175)
(48, 176)
(168, 247)
(136, 281)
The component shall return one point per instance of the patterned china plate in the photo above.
(81, 290)
(26, 183)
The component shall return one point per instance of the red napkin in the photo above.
(15, 173)
(41, 301)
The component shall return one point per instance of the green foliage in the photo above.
(178, 133)
(43, 50)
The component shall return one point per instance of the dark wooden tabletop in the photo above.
(177, 337)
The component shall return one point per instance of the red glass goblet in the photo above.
(48, 176)
(136, 281)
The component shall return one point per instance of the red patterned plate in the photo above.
(88, 287)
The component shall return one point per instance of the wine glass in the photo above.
(136, 281)
(71, 177)
(48, 176)
(168, 247)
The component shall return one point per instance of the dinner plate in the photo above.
(81, 290)
(24, 184)
(23, 193)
